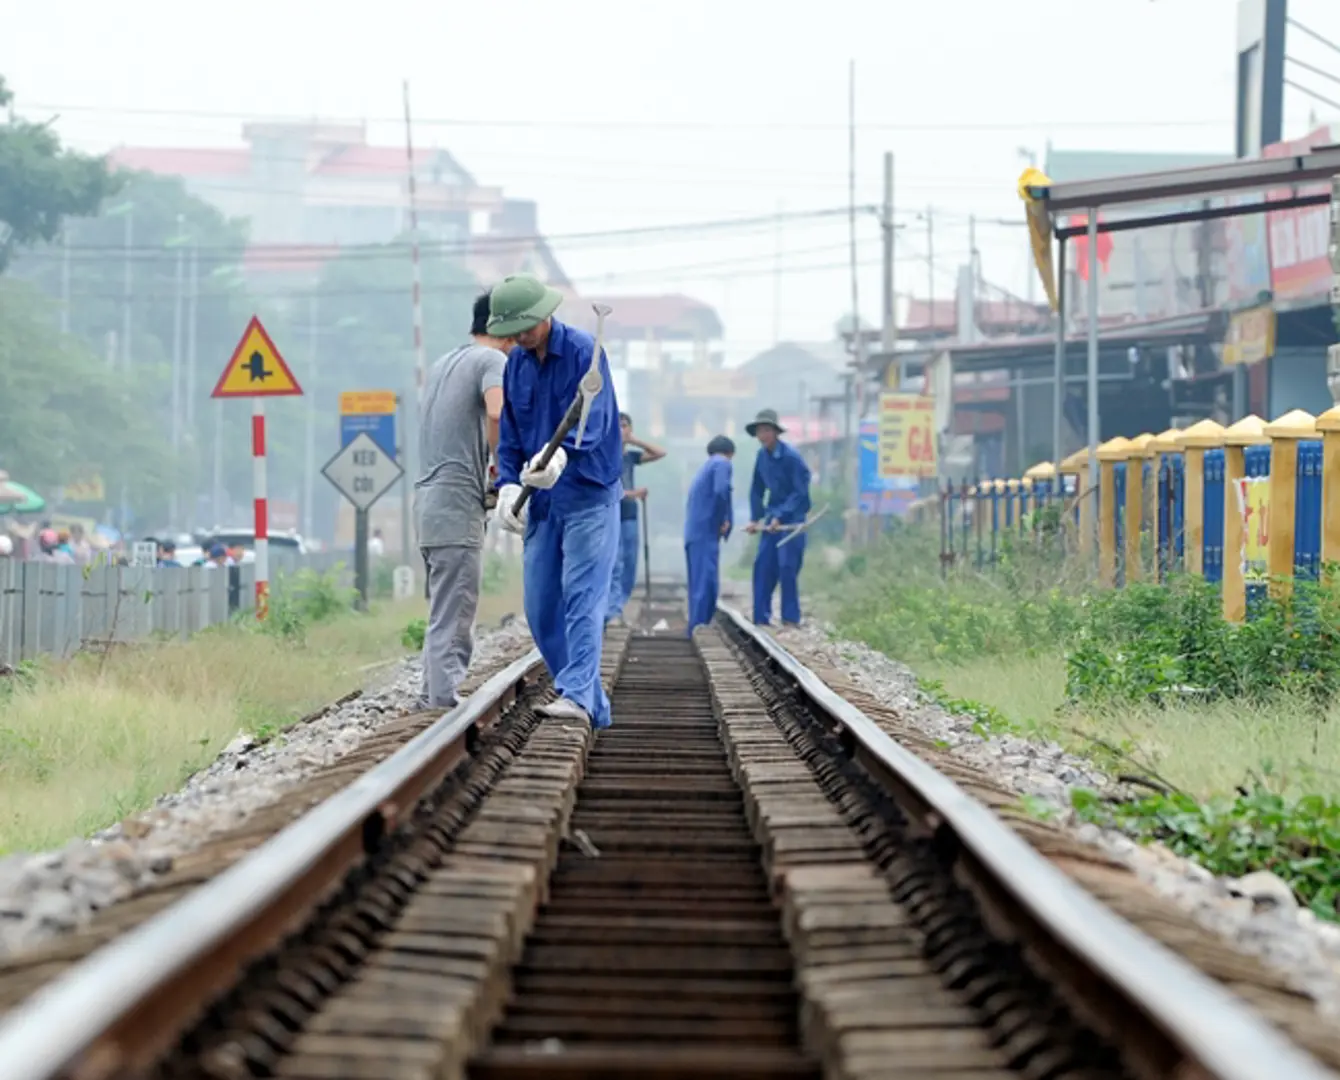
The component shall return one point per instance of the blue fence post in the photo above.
(1212, 563)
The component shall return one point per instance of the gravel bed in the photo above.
(46, 894)
(1258, 913)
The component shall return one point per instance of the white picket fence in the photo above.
(47, 609)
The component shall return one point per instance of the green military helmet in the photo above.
(520, 302)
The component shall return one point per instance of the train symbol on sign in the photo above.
(255, 366)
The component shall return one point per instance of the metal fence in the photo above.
(48, 609)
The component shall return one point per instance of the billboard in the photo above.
(878, 495)
(907, 435)
(1300, 262)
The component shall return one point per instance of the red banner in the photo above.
(1300, 263)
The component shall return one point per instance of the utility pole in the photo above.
(409, 410)
(889, 336)
(65, 281)
(178, 315)
(309, 468)
(974, 273)
(192, 335)
(777, 280)
(128, 288)
(930, 270)
(858, 338)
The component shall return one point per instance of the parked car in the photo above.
(286, 543)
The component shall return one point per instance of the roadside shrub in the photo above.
(307, 597)
(1149, 642)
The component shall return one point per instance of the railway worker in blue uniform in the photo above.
(779, 497)
(707, 522)
(571, 523)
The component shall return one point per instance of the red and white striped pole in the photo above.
(258, 480)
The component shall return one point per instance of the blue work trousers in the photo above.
(775, 564)
(704, 563)
(567, 564)
(624, 577)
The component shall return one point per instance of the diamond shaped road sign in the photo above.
(363, 472)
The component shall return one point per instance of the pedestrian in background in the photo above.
(708, 519)
(570, 524)
(458, 429)
(778, 497)
(624, 579)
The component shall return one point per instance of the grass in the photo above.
(80, 750)
(87, 742)
(1203, 749)
(1234, 729)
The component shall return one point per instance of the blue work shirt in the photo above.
(536, 394)
(709, 504)
(783, 476)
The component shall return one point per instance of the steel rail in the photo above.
(130, 1000)
(1195, 1019)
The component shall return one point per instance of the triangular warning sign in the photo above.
(256, 369)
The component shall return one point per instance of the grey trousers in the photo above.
(454, 577)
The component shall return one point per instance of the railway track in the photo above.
(744, 877)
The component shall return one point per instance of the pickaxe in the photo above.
(578, 412)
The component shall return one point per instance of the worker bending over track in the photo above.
(571, 523)
(458, 429)
(780, 474)
(707, 522)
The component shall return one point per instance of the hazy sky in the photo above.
(614, 114)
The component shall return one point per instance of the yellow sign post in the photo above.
(907, 443)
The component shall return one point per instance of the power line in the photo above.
(1313, 34)
(472, 288)
(640, 125)
(309, 252)
(1315, 70)
(1312, 94)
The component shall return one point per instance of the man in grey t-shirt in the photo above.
(458, 429)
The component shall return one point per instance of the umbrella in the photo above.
(29, 502)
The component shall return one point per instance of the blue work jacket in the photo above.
(709, 503)
(536, 394)
(784, 478)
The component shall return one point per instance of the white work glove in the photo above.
(507, 497)
(543, 479)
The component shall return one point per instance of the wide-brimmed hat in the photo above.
(765, 416)
(519, 303)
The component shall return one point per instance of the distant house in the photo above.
(309, 189)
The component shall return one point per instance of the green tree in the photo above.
(41, 183)
(62, 409)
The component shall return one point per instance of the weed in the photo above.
(412, 636)
(1298, 839)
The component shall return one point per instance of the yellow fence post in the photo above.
(1044, 472)
(1109, 454)
(1328, 423)
(1077, 465)
(1195, 440)
(1249, 431)
(1284, 435)
(1136, 518)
